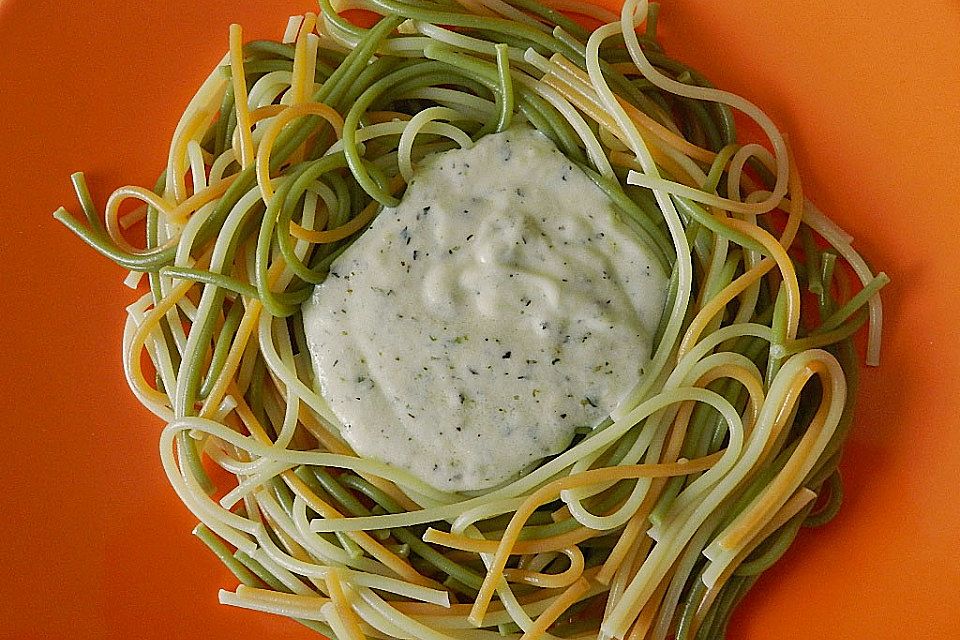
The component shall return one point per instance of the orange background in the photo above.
(95, 545)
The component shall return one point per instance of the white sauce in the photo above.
(501, 305)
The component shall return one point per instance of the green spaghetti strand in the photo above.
(222, 347)
(148, 261)
(268, 49)
(226, 123)
(86, 202)
(828, 511)
(225, 555)
(535, 108)
(506, 88)
(352, 121)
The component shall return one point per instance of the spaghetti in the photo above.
(654, 524)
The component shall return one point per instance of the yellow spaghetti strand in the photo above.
(240, 95)
(648, 614)
(750, 382)
(719, 302)
(303, 63)
(639, 117)
(556, 609)
(551, 580)
(279, 122)
(257, 115)
(200, 113)
(278, 602)
(144, 330)
(111, 213)
(346, 613)
(636, 525)
(523, 547)
(346, 230)
(457, 610)
(183, 210)
(248, 323)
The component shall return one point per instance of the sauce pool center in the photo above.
(471, 330)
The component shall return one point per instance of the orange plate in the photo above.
(96, 545)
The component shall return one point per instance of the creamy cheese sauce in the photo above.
(471, 330)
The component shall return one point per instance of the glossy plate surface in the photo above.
(96, 545)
